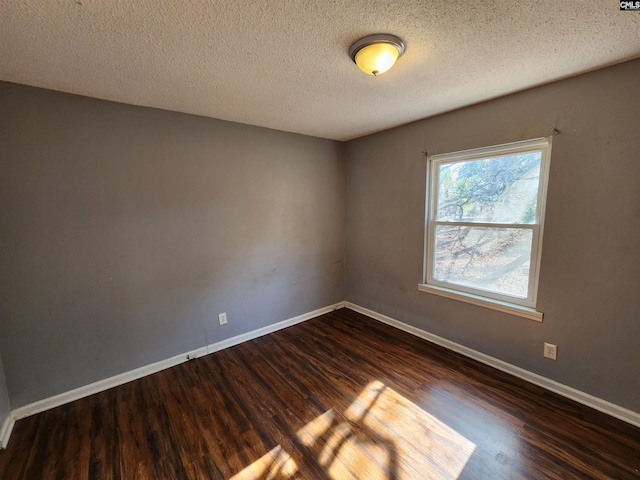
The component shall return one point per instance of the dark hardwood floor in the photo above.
(341, 396)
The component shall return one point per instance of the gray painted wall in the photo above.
(5, 405)
(124, 231)
(590, 274)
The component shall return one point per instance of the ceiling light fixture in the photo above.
(375, 54)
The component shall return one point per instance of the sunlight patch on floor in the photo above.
(381, 435)
(276, 464)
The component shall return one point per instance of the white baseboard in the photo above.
(5, 430)
(107, 383)
(569, 392)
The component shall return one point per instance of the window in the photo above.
(484, 225)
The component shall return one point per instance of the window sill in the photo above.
(505, 307)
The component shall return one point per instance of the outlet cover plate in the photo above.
(222, 318)
(550, 350)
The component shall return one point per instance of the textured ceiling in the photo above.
(284, 64)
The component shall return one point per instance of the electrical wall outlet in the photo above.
(550, 350)
(222, 318)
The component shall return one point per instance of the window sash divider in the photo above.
(453, 223)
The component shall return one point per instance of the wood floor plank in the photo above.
(337, 397)
(16, 459)
(135, 445)
(72, 445)
(221, 421)
(104, 462)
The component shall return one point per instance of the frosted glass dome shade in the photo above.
(377, 58)
(376, 54)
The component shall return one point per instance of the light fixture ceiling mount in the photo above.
(375, 54)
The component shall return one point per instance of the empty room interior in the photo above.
(332, 240)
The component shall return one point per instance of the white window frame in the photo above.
(510, 304)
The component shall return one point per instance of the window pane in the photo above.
(499, 189)
(491, 259)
